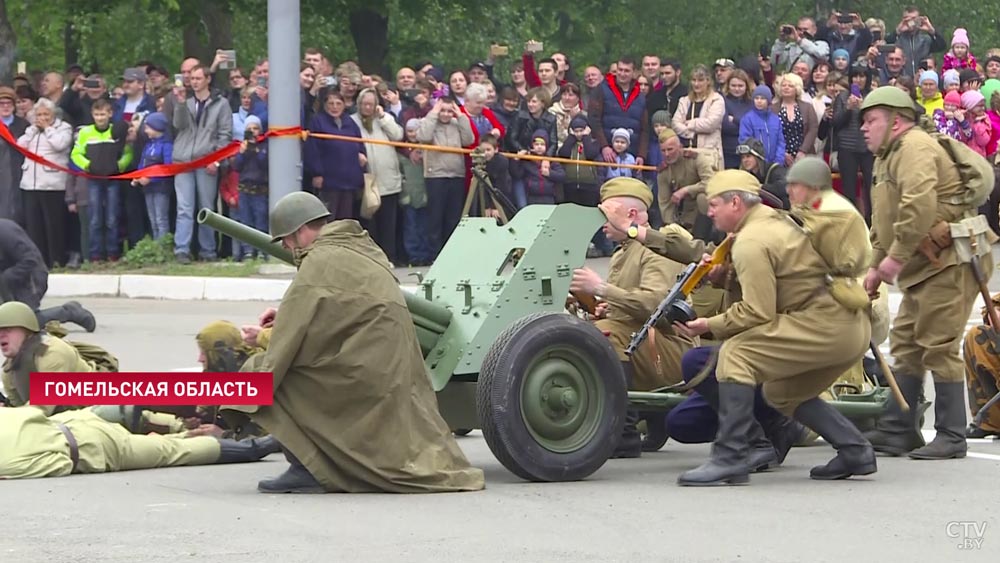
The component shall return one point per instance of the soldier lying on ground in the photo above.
(353, 407)
(24, 278)
(637, 280)
(79, 441)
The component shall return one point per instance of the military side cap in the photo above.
(666, 134)
(732, 180)
(627, 187)
(811, 171)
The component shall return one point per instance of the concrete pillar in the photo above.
(284, 101)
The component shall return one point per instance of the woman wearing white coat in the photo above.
(383, 164)
(43, 188)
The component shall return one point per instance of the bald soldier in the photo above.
(682, 182)
(79, 441)
(918, 194)
(784, 314)
(638, 279)
(353, 406)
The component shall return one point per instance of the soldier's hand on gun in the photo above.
(266, 318)
(585, 281)
(693, 328)
(601, 310)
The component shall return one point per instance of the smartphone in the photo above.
(886, 48)
(537, 47)
(765, 52)
(855, 90)
(845, 18)
(329, 81)
(499, 50)
(88, 83)
(230, 60)
(178, 81)
(877, 35)
(262, 82)
(22, 67)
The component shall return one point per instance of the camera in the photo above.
(787, 30)
(845, 18)
(249, 137)
(88, 83)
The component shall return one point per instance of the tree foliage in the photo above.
(109, 35)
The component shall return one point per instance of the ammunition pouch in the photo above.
(972, 238)
(936, 241)
(848, 292)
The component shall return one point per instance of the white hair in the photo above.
(42, 103)
(476, 92)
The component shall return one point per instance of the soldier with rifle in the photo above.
(637, 280)
(921, 210)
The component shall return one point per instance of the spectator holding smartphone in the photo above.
(916, 37)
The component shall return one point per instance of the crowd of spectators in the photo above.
(761, 112)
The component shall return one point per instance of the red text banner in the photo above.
(146, 388)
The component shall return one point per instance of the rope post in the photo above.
(283, 98)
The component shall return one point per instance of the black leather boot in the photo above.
(729, 463)
(71, 312)
(762, 452)
(630, 445)
(296, 479)
(949, 422)
(74, 261)
(855, 456)
(896, 432)
(250, 449)
(784, 433)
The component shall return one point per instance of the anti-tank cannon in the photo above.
(545, 387)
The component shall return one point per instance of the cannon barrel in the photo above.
(431, 320)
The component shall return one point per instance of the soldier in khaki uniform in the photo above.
(918, 192)
(79, 441)
(682, 181)
(786, 333)
(638, 280)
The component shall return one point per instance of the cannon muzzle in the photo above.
(430, 319)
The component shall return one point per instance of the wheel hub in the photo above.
(560, 402)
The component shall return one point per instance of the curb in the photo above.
(171, 288)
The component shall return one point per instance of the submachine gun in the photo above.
(675, 306)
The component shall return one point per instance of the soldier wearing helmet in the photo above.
(353, 407)
(27, 348)
(917, 194)
(784, 312)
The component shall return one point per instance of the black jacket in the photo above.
(23, 276)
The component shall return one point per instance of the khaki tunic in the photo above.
(787, 332)
(59, 356)
(638, 280)
(688, 172)
(916, 181)
(32, 445)
(352, 398)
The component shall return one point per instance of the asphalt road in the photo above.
(630, 510)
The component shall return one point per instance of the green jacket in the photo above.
(414, 187)
(103, 153)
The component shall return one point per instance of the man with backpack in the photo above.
(927, 192)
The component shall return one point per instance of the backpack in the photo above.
(976, 172)
(103, 360)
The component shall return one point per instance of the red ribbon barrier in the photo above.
(155, 171)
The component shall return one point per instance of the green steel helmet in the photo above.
(889, 97)
(811, 171)
(17, 314)
(293, 211)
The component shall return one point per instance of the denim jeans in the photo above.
(445, 198)
(200, 189)
(105, 198)
(520, 194)
(251, 212)
(158, 210)
(415, 235)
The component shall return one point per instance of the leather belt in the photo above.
(74, 449)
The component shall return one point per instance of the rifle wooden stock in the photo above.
(688, 282)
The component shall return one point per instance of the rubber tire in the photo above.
(461, 431)
(499, 406)
(656, 435)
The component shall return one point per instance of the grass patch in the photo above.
(156, 258)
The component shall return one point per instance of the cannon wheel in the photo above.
(551, 398)
(461, 431)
